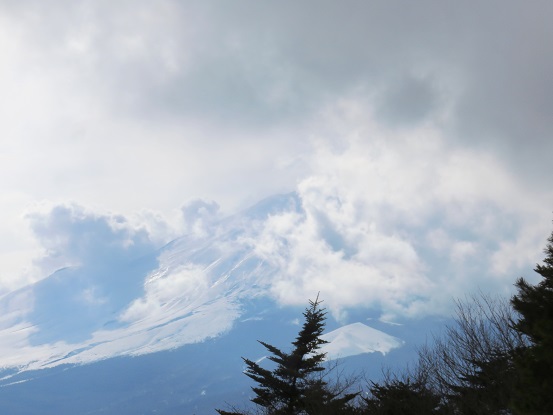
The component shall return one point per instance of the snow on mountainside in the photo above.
(193, 289)
(357, 338)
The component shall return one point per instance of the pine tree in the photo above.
(296, 386)
(487, 389)
(534, 363)
(405, 397)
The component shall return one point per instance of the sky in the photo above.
(419, 134)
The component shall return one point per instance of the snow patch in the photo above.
(357, 338)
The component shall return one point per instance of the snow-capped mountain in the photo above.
(357, 338)
(192, 289)
(199, 302)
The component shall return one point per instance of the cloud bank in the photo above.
(417, 137)
(402, 222)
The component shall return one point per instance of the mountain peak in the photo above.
(358, 338)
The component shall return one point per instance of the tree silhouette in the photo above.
(471, 365)
(296, 386)
(534, 364)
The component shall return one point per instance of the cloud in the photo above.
(401, 222)
(71, 236)
(213, 61)
(393, 121)
(408, 101)
(200, 216)
(416, 137)
(255, 68)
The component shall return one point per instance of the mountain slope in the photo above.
(164, 332)
(190, 290)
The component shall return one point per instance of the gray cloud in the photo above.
(250, 63)
(408, 102)
(135, 104)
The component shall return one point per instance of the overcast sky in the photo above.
(418, 129)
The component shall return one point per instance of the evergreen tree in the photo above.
(405, 397)
(488, 389)
(534, 303)
(296, 385)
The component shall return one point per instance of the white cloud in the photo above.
(401, 221)
(199, 217)
(416, 139)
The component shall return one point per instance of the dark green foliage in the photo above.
(488, 389)
(405, 397)
(534, 303)
(297, 386)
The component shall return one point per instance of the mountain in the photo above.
(358, 338)
(164, 332)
